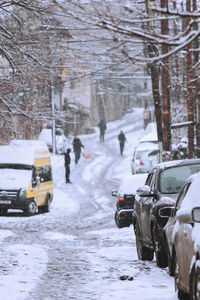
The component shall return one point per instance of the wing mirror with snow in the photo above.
(144, 191)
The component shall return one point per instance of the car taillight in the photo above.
(120, 198)
(141, 163)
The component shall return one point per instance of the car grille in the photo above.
(8, 195)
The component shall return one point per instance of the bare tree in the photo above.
(124, 22)
(31, 47)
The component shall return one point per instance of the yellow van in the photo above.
(26, 177)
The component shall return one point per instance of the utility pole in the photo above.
(190, 107)
(53, 116)
(74, 122)
(165, 86)
(196, 87)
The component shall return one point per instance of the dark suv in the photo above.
(161, 189)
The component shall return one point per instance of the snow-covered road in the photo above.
(76, 251)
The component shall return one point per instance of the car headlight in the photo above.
(23, 194)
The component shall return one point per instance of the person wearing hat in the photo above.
(67, 165)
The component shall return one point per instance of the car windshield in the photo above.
(141, 153)
(16, 166)
(173, 179)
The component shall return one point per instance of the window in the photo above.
(182, 195)
(45, 173)
(148, 181)
(172, 179)
(152, 183)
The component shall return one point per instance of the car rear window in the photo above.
(172, 179)
(141, 153)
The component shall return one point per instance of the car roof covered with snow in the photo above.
(22, 152)
(191, 198)
(151, 134)
(173, 163)
(146, 146)
(130, 183)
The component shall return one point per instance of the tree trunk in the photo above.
(151, 50)
(165, 87)
(156, 97)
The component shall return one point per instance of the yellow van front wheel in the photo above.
(31, 209)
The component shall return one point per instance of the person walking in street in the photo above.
(77, 145)
(67, 165)
(122, 140)
(102, 127)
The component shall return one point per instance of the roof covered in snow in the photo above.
(21, 151)
(130, 183)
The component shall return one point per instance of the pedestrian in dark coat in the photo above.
(77, 145)
(102, 126)
(122, 140)
(67, 165)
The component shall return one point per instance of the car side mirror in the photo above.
(114, 193)
(196, 214)
(144, 191)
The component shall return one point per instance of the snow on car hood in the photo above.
(14, 179)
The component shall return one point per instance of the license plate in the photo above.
(5, 202)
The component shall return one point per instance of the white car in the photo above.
(61, 140)
(145, 156)
(150, 134)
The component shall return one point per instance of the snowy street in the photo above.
(76, 251)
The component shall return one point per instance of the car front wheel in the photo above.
(161, 257)
(143, 252)
(181, 294)
(195, 284)
(31, 209)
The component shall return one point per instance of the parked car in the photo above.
(26, 177)
(126, 197)
(145, 156)
(150, 134)
(161, 189)
(151, 127)
(168, 230)
(61, 140)
(182, 233)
